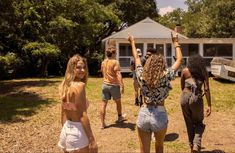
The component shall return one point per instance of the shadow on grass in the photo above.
(129, 125)
(11, 86)
(223, 80)
(16, 105)
(213, 151)
(171, 137)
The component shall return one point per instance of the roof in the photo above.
(146, 28)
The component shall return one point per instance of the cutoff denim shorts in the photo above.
(152, 119)
(73, 136)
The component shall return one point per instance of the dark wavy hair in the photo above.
(197, 67)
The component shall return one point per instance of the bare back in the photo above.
(75, 103)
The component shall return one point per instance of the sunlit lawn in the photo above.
(24, 98)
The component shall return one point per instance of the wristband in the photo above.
(177, 46)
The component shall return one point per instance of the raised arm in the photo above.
(178, 53)
(134, 51)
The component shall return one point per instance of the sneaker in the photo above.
(196, 149)
(122, 118)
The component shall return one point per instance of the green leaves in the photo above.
(42, 49)
(210, 19)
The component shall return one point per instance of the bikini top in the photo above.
(69, 106)
(194, 85)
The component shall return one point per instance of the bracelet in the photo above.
(177, 46)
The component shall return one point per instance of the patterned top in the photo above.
(160, 93)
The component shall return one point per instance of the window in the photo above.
(168, 55)
(150, 45)
(168, 50)
(125, 53)
(217, 50)
(125, 50)
(125, 62)
(160, 48)
(189, 49)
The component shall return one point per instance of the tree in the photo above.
(42, 53)
(171, 19)
(207, 18)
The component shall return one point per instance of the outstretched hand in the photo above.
(130, 38)
(175, 38)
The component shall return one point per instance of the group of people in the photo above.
(153, 78)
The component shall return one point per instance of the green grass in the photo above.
(19, 98)
(36, 101)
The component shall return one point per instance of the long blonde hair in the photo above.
(70, 76)
(154, 70)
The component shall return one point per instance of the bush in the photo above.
(9, 65)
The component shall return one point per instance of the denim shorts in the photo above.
(109, 91)
(152, 119)
(73, 136)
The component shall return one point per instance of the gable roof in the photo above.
(146, 28)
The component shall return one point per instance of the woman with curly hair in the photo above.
(154, 79)
(76, 134)
(193, 77)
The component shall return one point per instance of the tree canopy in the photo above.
(42, 35)
(204, 18)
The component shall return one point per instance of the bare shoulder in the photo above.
(116, 62)
(186, 72)
(78, 86)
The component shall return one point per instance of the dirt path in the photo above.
(39, 132)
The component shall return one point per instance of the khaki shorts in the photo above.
(109, 91)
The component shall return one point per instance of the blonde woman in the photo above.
(154, 79)
(76, 134)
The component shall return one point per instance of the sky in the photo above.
(165, 6)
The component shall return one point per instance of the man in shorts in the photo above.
(112, 85)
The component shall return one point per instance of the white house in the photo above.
(148, 33)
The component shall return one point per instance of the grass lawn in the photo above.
(30, 117)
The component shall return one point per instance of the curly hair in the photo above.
(69, 74)
(197, 67)
(154, 70)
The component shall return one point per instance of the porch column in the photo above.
(117, 49)
(233, 51)
(201, 49)
(144, 49)
(164, 49)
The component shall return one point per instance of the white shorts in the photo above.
(73, 136)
